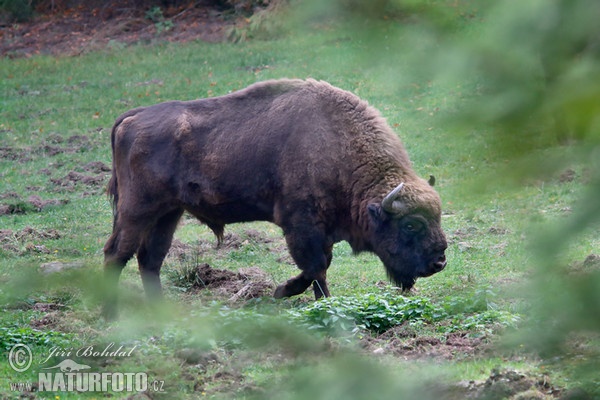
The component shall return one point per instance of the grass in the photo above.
(56, 118)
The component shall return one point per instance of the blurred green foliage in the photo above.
(526, 76)
(15, 10)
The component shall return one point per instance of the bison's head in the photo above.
(406, 234)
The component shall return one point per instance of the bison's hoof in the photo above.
(280, 292)
(109, 312)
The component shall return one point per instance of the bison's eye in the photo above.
(413, 226)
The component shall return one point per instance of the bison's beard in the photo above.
(402, 280)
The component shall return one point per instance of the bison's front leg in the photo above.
(312, 254)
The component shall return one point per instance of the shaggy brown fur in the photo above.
(313, 159)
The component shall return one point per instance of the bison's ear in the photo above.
(377, 213)
(431, 180)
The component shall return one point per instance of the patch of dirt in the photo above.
(96, 167)
(33, 203)
(11, 241)
(503, 384)
(51, 146)
(14, 154)
(39, 204)
(402, 341)
(245, 284)
(29, 233)
(50, 320)
(405, 342)
(198, 357)
(568, 175)
(9, 195)
(231, 241)
(179, 251)
(590, 264)
(182, 252)
(496, 230)
(464, 233)
(87, 28)
(7, 209)
(69, 182)
(231, 381)
(93, 175)
(592, 261)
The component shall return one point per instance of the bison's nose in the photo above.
(440, 264)
(435, 266)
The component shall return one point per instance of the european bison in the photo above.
(316, 160)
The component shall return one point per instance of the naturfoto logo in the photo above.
(69, 375)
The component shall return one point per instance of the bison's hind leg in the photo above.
(119, 249)
(153, 250)
(145, 235)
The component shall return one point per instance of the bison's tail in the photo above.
(112, 189)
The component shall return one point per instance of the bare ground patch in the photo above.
(505, 384)
(190, 271)
(27, 240)
(34, 203)
(404, 342)
(87, 28)
(184, 252)
(53, 145)
(244, 284)
(68, 182)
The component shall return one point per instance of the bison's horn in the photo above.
(390, 203)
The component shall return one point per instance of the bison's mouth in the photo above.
(406, 280)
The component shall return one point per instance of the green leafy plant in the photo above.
(155, 14)
(13, 335)
(379, 312)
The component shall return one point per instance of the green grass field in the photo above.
(56, 116)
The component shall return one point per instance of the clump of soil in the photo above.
(14, 154)
(33, 203)
(47, 321)
(245, 284)
(590, 264)
(12, 241)
(39, 204)
(28, 233)
(95, 182)
(96, 167)
(179, 251)
(51, 146)
(568, 175)
(182, 252)
(503, 384)
(197, 357)
(403, 342)
(250, 236)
